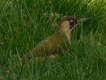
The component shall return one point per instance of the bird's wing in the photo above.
(49, 45)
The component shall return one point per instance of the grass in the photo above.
(25, 23)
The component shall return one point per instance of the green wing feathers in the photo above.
(50, 45)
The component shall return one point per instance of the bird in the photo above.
(59, 40)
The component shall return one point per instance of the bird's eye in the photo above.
(71, 21)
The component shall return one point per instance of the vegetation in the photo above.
(24, 23)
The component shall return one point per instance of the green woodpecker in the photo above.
(59, 40)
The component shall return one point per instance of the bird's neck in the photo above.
(65, 28)
(65, 32)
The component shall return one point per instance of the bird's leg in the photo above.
(53, 56)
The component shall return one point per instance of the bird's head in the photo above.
(70, 22)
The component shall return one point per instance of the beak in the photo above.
(83, 19)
